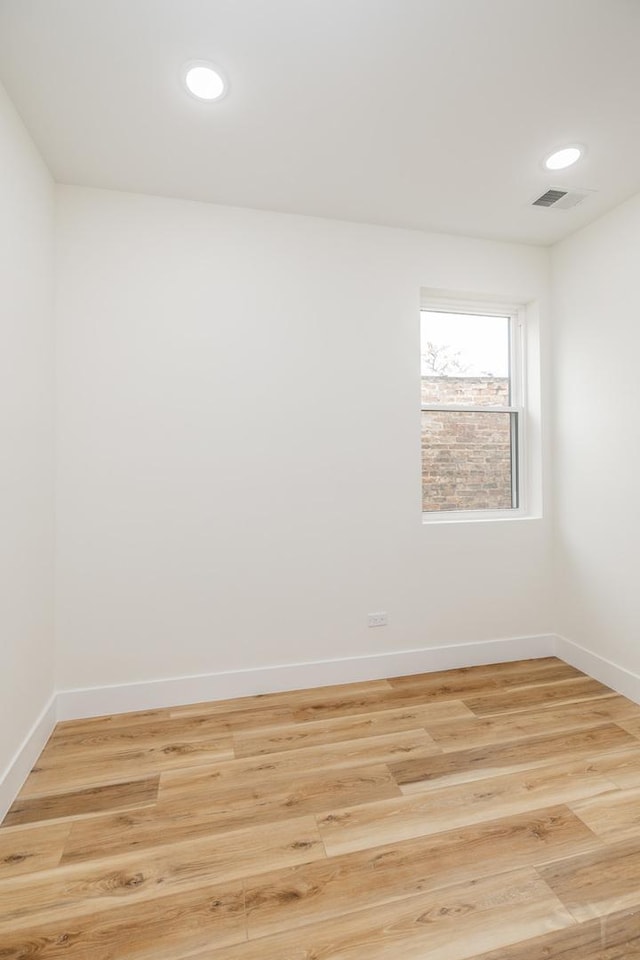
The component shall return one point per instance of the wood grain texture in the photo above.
(467, 732)
(249, 718)
(111, 881)
(26, 849)
(481, 814)
(525, 754)
(288, 700)
(378, 875)
(347, 754)
(110, 722)
(562, 691)
(232, 808)
(613, 817)
(432, 811)
(153, 731)
(598, 883)
(439, 926)
(165, 928)
(67, 767)
(250, 743)
(335, 707)
(465, 682)
(621, 767)
(614, 937)
(118, 796)
(631, 724)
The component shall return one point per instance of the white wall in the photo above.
(238, 466)
(596, 351)
(26, 433)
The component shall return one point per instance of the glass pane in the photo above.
(465, 359)
(467, 460)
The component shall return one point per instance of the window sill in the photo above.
(477, 516)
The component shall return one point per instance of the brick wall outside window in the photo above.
(466, 457)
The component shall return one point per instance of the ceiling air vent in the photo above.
(560, 199)
(549, 198)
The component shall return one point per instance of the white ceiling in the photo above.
(433, 114)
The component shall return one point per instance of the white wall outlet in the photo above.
(377, 619)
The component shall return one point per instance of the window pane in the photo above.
(468, 460)
(465, 359)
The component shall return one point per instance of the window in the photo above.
(472, 387)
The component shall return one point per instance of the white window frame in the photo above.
(516, 315)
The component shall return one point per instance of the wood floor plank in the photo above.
(229, 721)
(251, 743)
(621, 767)
(288, 700)
(235, 808)
(465, 733)
(511, 701)
(282, 899)
(440, 925)
(239, 803)
(526, 754)
(615, 819)
(26, 849)
(598, 883)
(138, 875)
(65, 769)
(434, 811)
(125, 796)
(391, 699)
(632, 723)
(469, 680)
(166, 928)
(111, 721)
(152, 733)
(614, 937)
(204, 782)
(486, 670)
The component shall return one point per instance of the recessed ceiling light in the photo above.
(563, 158)
(204, 81)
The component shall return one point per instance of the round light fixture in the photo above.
(204, 81)
(563, 158)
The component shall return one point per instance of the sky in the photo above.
(481, 343)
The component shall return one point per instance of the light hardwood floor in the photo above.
(490, 813)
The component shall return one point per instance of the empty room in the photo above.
(319, 352)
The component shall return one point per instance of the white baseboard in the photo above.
(154, 694)
(618, 678)
(26, 755)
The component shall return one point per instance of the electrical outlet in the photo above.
(377, 619)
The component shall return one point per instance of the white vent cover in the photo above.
(560, 199)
